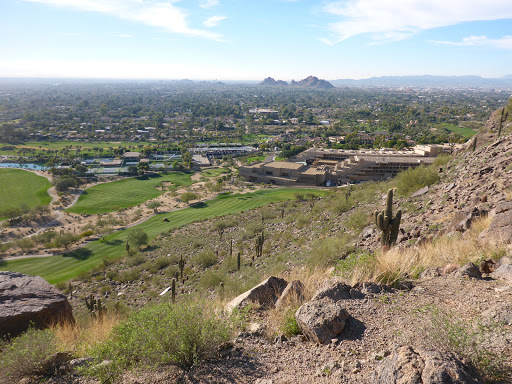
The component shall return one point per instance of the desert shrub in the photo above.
(128, 276)
(468, 339)
(325, 252)
(252, 229)
(357, 220)
(162, 262)
(412, 179)
(205, 259)
(184, 334)
(26, 355)
(441, 160)
(136, 259)
(356, 265)
(86, 233)
(211, 279)
(290, 327)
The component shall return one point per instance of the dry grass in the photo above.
(397, 263)
(81, 337)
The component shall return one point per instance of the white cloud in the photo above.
(213, 21)
(155, 13)
(481, 41)
(208, 3)
(392, 20)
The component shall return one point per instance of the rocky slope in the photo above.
(424, 330)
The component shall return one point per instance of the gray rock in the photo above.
(469, 270)
(294, 291)
(501, 225)
(265, 294)
(420, 192)
(466, 223)
(500, 313)
(370, 287)
(407, 366)
(321, 320)
(504, 272)
(26, 300)
(356, 294)
(337, 291)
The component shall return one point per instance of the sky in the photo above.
(253, 39)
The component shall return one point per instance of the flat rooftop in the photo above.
(284, 165)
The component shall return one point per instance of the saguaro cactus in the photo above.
(388, 224)
(238, 261)
(96, 309)
(181, 266)
(173, 291)
(503, 118)
(259, 244)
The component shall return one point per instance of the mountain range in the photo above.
(427, 81)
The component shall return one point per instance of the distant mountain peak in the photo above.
(271, 81)
(310, 82)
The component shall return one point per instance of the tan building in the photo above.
(335, 167)
(283, 173)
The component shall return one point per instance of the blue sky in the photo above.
(253, 39)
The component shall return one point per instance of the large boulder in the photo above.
(407, 366)
(504, 272)
(500, 228)
(335, 292)
(321, 320)
(30, 300)
(294, 292)
(265, 294)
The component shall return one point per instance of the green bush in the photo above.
(184, 334)
(412, 179)
(26, 355)
(290, 327)
(362, 261)
(357, 220)
(205, 259)
(325, 252)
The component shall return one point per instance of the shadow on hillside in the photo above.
(354, 329)
(149, 176)
(112, 242)
(79, 254)
(201, 204)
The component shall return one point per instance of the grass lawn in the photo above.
(125, 193)
(214, 172)
(22, 187)
(465, 132)
(254, 158)
(62, 268)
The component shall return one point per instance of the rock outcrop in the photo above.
(273, 82)
(321, 320)
(407, 366)
(26, 300)
(265, 294)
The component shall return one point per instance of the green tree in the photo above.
(188, 196)
(138, 237)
